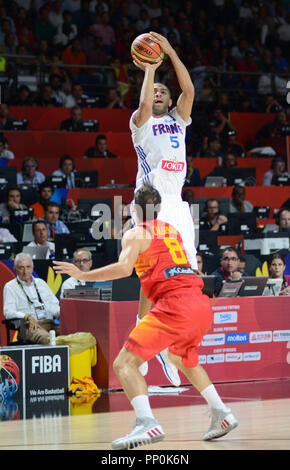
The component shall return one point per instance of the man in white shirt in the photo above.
(40, 233)
(83, 260)
(30, 298)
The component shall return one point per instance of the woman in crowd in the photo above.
(277, 267)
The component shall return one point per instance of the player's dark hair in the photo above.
(147, 201)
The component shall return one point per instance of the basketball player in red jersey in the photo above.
(179, 319)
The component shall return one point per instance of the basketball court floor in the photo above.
(90, 424)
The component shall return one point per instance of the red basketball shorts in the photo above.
(177, 322)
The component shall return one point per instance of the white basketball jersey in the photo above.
(160, 147)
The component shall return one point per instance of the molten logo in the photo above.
(9, 377)
(172, 166)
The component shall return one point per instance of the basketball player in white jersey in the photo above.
(159, 139)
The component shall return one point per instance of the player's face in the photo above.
(162, 100)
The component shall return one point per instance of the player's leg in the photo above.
(143, 308)
(147, 429)
(222, 419)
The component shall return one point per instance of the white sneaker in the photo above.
(170, 370)
(222, 422)
(143, 369)
(146, 431)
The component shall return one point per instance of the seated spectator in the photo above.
(66, 31)
(43, 29)
(23, 97)
(228, 161)
(82, 258)
(192, 174)
(5, 154)
(268, 80)
(45, 193)
(228, 270)
(199, 259)
(40, 233)
(213, 219)
(106, 32)
(54, 224)
(29, 173)
(75, 122)
(211, 147)
(6, 118)
(220, 123)
(76, 97)
(276, 266)
(31, 299)
(242, 263)
(273, 129)
(283, 219)
(238, 203)
(100, 149)
(67, 170)
(113, 99)
(58, 94)
(74, 55)
(13, 203)
(188, 196)
(231, 145)
(278, 167)
(45, 96)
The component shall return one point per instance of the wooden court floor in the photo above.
(264, 423)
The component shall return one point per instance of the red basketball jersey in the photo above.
(164, 266)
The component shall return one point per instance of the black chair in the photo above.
(10, 326)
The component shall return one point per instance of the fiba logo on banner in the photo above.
(9, 377)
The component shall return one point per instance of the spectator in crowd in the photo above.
(55, 15)
(242, 263)
(283, 219)
(238, 202)
(45, 96)
(53, 222)
(5, 154)
(58, 94)
(75, 122)
(278, 167)
(43, 29)
(30, 298)
(192, 174)
(100, 150)
(211, 147)
(45, 191)
(228, 270)
(106, 32)
(76, 97)
(83, 18)
(23, 97)
(113, 99)
(220, 123)
(213, 219)
(188, 196)
(29, 173)
(273, 129)
(228, 161)
(232, 146)
(276, 266)
(74, 55)
(40, 234)
(13, 202)
(199, 259)
(143, 21)
(6, 118)
(268, 82)
(82, 258)
(67, 170)
(66, 31)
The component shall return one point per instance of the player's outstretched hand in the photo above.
(142, 65)
(163, 42)
(61, 267)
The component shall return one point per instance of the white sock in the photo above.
(212, 397)
(137, 320)
(142, 407)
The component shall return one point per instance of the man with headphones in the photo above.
(29, 174)
(213, 219)
(278, 167)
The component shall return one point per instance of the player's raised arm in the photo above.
(147, 91)
(185, 100)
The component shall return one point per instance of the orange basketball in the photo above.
(146, 49)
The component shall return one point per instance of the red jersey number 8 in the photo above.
(175, 250)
